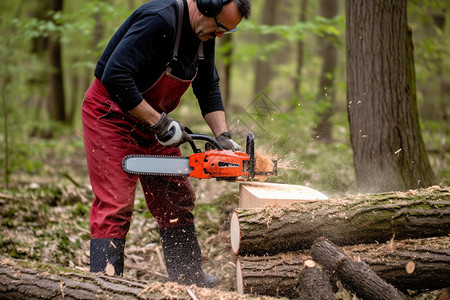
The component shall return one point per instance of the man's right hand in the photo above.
(169, 132)
(227, 143)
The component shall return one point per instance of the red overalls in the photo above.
(111, 134)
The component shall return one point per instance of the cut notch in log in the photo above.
(260, 194)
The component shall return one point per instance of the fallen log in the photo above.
(40, 281)
(314, 284)
(283, 275)
(275, 276)
(356, 276)
(359, 219)
(408, 264)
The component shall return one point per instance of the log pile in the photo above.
(378, 246)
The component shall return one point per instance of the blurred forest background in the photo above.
(283, 77)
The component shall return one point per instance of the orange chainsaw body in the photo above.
(217, 164)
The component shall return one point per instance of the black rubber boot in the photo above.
(183, 257)
(104, 251)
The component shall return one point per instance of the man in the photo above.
(148, 64)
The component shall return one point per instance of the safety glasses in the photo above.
(225, 29)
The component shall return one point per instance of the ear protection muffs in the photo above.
(211, 8)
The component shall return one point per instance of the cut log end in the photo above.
(239, 278)
(235, 233)
(309, 263)
(410, 267)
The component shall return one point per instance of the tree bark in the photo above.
(356, 276)
(388, 149)
(354, 220)
(314, 284)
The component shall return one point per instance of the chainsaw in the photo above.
(214, 162)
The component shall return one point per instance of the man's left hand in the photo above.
(227, 142)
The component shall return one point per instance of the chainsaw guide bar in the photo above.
(213, 163)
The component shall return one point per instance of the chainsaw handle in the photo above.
(203, 137)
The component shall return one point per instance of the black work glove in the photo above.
(227, 142)
(170, 132)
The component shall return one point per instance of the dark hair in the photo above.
(245, 8)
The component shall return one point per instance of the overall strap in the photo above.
(180, 25)
(177, 39)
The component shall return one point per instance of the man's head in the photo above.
(214, 18)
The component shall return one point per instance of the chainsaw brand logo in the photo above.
(223, 164)
(259, 113)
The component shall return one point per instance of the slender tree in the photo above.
(326, 92)
(388, 149)
(224, 67)
(300, 55)
(263, 69)
(57, 100)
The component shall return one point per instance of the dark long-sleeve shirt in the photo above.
(139, 51)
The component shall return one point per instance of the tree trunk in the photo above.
(388, 150)
(263, 70)
(300, 55)
(326, 93)
(224, 66)
(356, 276)
(354, 220)
(57, 99)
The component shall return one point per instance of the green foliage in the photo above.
(319, 25)
(284, 36)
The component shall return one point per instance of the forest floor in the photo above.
(44, 217)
